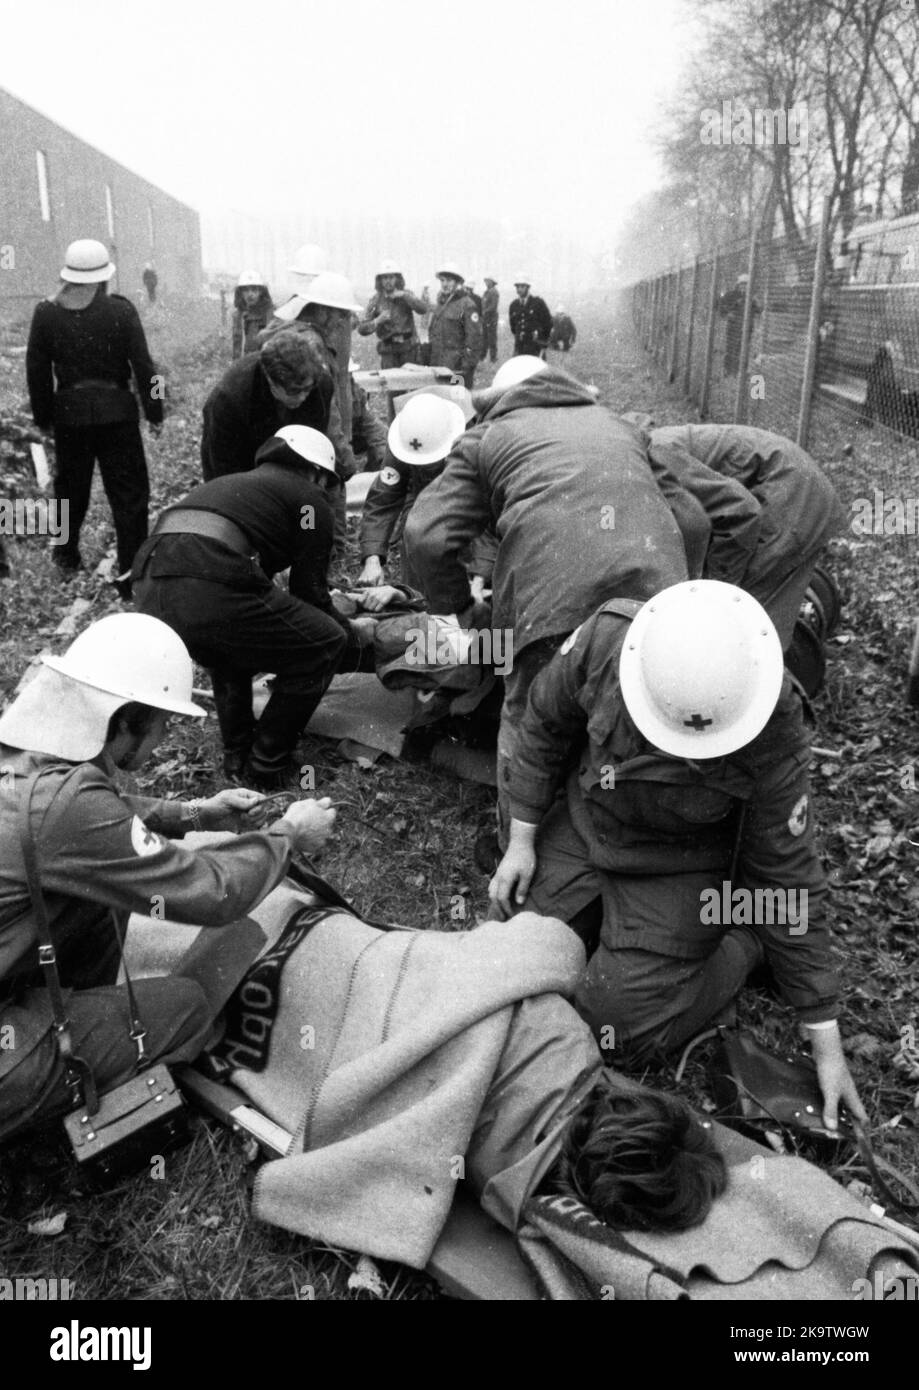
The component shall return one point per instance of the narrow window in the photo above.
(109, 212)
(44, 201)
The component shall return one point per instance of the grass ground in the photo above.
(403, 850)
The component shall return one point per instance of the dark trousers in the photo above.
(490, 339)
(120, 452)
(397, 354)
(236, 633)
(174, 1012)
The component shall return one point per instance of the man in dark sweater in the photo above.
(286, 383)
(207, 572)
(84, 346)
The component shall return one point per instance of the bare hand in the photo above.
(225, 810)
(372, 573)
(836, 1082)
(312, 823)
(376, 599)
(511, 882)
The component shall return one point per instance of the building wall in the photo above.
(134, 218)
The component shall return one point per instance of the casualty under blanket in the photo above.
(402, 1061)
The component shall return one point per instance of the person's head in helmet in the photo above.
(425, 429)
(291, 365)
(701, 669)
(329, 300)
(251, 290)
(389, 278)
(109, 697)
(307, 450)
(450, 277)
(522, 287)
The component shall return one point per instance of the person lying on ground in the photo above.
(686, 832)
(104, 706)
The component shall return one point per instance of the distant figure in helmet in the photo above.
(197, 573)
(688, 781)
(420, 438)
(469, 287)
(490, 301)
(85, 346)
(455, 330)
(102, 706)
(252, 310)
(564, 334)
(151, 280)
(390, 314)
(530, 321)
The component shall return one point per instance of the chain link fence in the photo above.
(818, 343)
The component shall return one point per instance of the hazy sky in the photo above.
(538, 110)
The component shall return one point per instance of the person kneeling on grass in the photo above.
(105, 706)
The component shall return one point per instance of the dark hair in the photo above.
(134, 718)
(291, 360)
(639, 1161)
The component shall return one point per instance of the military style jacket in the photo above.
(96, 845)
(640, 811)
(568, 490)
(530, 322)
(400, 320)
(455, 333)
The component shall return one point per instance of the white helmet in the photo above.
(333, 290)
(310, 444)
(310, 260)
(66, 708)
(426, 429)
(522, 280)
(451, 268)
(518, 369)
(249, 278)
(390, 268)
(701, 669)
(87, 263)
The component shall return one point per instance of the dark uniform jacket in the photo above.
(658, 814)
(249, 321)
(455, 332)
(530, 322)
(568, 490)
(97, 845)
(241, 413)
(490, 301)
(791, 506)
(285, 515)
(103, 344)
(390, 497)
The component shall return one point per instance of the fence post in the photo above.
(813, 327)
(742, 394)
(709, 340)
(655, 301)
(766, 263)
(694, 290)
(677, 288)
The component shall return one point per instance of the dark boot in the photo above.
(233, 698)
(271, 762)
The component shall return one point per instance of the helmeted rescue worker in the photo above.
(568, 490)
(252, 310)
(84, 346)
(390, 314)
(105, 705)
(686, 826)
(455, 329)
(420, 438)
(793, 509)
(207, 572)
(530, 320)
(288, 382)
(490, 300)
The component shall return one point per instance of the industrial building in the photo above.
(55, 187)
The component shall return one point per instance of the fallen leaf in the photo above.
(366, 1278)
(48, 1225)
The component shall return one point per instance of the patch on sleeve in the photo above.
(797, 821)
(389, 476)
(570, 641)
(143, 840)
(474, 316)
